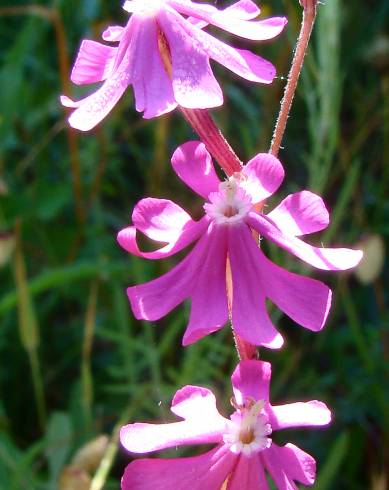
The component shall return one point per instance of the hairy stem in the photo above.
(309, 15)
(202, 122)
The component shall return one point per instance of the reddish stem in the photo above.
(202, 122)
(309, 15)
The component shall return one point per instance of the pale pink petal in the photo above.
(322, 258)
(190, 232)
(113, 33)
(209, 308)
(194, 84)
(300, 213)
(94, 63)
(249, 316)
(191, 402)
(203, 424)
(160, 219)
(300, 414)
(68, 102)
(193, 165)
(95, 107)
(152, 87)
(307, 301)
(227, 20)
(242, 62)
(251, 379)
(244, 9)
(248, 475)
(288, 463)
(205, 472)
(263, 175)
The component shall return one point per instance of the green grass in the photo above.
(74, 362)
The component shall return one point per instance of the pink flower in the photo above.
(156, 30)
(225, 237)
(244, 448)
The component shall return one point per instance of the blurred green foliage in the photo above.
(74, 362)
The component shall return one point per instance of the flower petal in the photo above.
(113, 33)
(322, 258)
(209, 308)
(249, 316)
(194, 84)
(154, 299)
(94, 63)
(251, 379)
(193, 165)
(93, 109)
(160, 219)
(242, 62)
(288, 463)
(264, 174)
(300, 213)
(207, 471)
(190, 232)
(256, 30)
(244, 9)
(152, 87)
(191, 402)
(248, 475)
(307, 301)
(300, 414)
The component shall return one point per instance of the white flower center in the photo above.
(249, 430)
(146, 8)
(230, 204)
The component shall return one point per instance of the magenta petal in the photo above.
(94, 63)
(154, 299)
(305, 300)
(322, 258)
(205, 472)
(249, 316)
(300, 213)
(300, 414)
(264, 174)
(152, 86)
(251, 379)
(194, 84)
(189, 233)
(288, 463)
(193, 165)
(248, 475)
(209, 308)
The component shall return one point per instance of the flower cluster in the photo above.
(244, 448)
(155, 31)
(164, 52)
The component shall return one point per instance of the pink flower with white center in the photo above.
(226, 249)
(165, 57)
(244, 451)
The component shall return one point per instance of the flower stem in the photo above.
(202, 122)
(309, 15)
